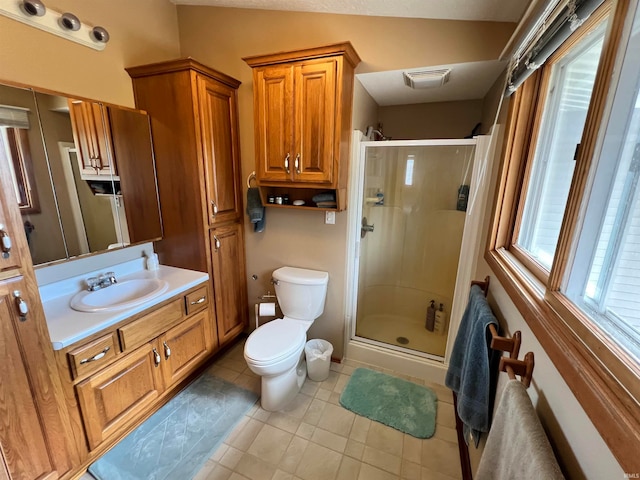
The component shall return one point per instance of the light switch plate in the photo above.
(330, 218)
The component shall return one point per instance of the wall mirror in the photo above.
(83, 173)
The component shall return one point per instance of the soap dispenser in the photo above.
(152, 262)
(431, 316)
(440, 320)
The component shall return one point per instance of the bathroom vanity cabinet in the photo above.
(302, 113)
(194, 120)
(34, 426)
(115, 377)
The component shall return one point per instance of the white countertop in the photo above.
(67, 326)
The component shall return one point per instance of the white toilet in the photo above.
(275, 351)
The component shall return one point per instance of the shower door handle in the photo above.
(365, 228)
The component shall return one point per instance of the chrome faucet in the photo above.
(103, 280)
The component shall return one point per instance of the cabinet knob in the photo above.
(296, 164)
(286, 163)
(5, 242)
(156, 357)
(167, 350)
(214, 208)
(216, 243)
(21, 305)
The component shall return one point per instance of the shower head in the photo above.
(378, 134)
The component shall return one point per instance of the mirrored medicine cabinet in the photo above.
(83, 173)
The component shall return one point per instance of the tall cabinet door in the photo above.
(274, 122)
(227, 245)
(315, 121)
(221, 150)
(21, 435)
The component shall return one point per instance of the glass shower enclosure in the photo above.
(413, 204)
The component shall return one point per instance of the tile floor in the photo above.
(317, 439)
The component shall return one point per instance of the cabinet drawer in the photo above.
(92, 356)
(196, 300)
(150, 326)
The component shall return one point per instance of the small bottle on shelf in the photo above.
(440, 320)
(431, 316)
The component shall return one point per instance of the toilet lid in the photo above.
(273, 340)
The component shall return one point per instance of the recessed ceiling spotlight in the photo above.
(426, 78)
(33, 8)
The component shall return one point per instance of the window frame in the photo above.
(599, 372)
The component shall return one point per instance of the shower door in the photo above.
(414, 197)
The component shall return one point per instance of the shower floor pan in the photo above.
(403, 332)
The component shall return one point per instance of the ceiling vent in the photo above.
(426, 78)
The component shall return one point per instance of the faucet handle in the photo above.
(92, 283)
(111, 276)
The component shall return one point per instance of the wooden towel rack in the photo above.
(510, 364)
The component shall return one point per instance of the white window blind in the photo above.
(14, 117)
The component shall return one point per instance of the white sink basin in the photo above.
(126, 294)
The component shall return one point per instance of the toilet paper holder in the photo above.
(267, 296)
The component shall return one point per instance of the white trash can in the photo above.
(318, 353)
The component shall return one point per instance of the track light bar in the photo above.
(66, 25)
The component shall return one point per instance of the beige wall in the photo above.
(142, 31)
(220, 37)
(430, 120)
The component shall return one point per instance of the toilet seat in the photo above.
(274, 341)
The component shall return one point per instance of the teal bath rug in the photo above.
(392, 401)
(176, 441)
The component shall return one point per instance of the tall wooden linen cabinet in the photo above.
(34, 421)
(194, 121)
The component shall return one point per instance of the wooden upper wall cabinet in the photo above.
(302, 113)
(92, 136)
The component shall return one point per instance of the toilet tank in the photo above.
(301, 292)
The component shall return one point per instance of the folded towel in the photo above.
(472, 367)
(517, 446)
(324, 197)
(255, 210)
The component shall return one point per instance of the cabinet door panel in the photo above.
(274, 122)
(10, 255)
(315, 121)
(93, 137)
(132, 146)
(227, 244)
(188, 344)
(219, 126)
(110, 399)
(19, 423)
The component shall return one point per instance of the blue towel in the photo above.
(255, 209)
(472, 368)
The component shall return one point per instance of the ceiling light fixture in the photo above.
(66, 25)
(426, 78)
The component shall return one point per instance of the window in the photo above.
(604, 281)
(565, 238)
(567, 98)
(14, 144)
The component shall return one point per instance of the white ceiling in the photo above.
(468, 80)
(490, 10)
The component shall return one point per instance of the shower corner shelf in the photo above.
(305, 194)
